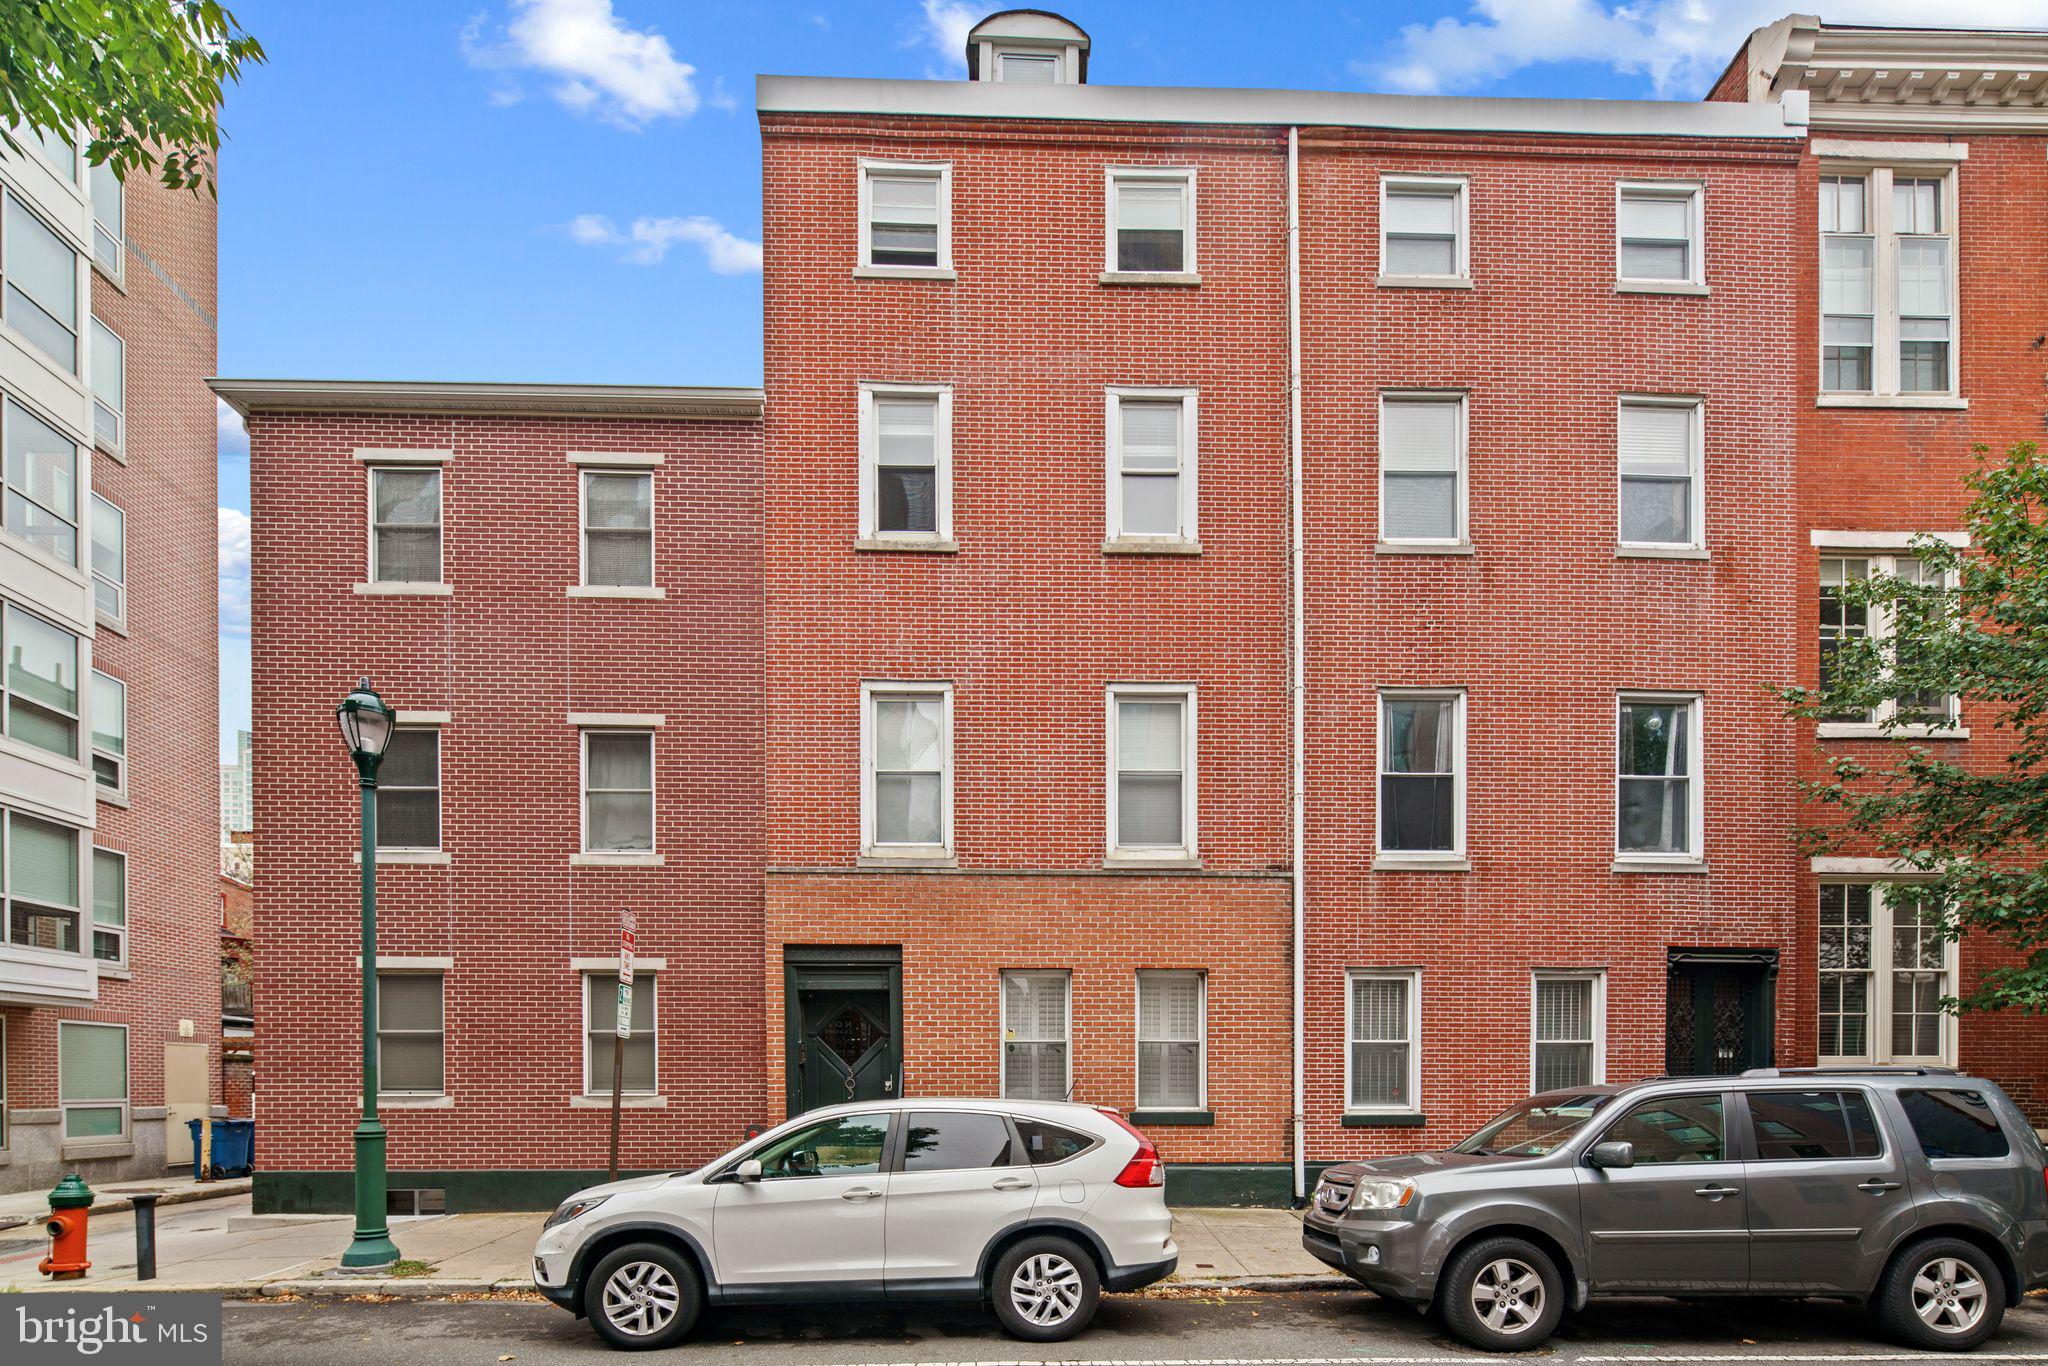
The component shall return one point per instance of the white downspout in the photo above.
(1297, 644)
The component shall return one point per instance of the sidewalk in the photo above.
(217, 1245)
(32, 1207)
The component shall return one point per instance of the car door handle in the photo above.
(1877, 1187)
(1716, 1192)
(1013, 1183)
(859, 1194)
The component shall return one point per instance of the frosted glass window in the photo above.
(618, 792)
(410, 1036)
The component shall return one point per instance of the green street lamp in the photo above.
(366, 728)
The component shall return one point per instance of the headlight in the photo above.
(1382, 1195)
(575, 1209)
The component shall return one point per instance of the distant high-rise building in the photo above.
(235, 808)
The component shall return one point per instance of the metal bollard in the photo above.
(145, 1237)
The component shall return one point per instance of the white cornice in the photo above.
(514, 400)
(1906, 80)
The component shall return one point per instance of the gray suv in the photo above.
(1916, 1191)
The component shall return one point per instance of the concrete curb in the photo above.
(116, 1203)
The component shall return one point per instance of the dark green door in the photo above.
(1718, 1015)
(844, 1033)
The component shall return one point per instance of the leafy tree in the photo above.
(1972, 625)
(144, 75)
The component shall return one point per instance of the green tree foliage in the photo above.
(1972, 625)
(144, 75)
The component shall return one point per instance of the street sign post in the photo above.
(623, 1029)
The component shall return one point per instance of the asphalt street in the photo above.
(1183, 1328)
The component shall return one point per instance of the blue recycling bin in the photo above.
(234, 1147)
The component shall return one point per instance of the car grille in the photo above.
(1333, 1197)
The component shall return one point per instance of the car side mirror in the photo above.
(1612, 1155)
(748, 1171)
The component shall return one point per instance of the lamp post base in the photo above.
(372, 1245)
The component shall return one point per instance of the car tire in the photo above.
(1502, 1295)
(1045, 1289)
(1941, 1295)
(643, 1296)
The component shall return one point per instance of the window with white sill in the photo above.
(618, 792)
(1886, 964)
(109, 559)
(1172, 1033)
(1657, 787)
(1568, 1030)
(1151, 221)
(1037, 1036)
(907, 779)
(906, 214)
(109, 388)
(109, 906)
(411, 1042)
(405, 524)
(409, 791)
(906, 463)
(1152, 466)
(109, 732)
(1843, 621)
(1382, 1013)
(92, 1080)
(639, 1075)
(1423, 228)
(1657, 444)
(1657, 234)
(1422, 761)
(109, 219)
(1151, 746)
(1888, 282)
(1422, 468)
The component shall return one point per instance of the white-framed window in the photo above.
(1172, 1040)
(409, 790)
(109, 218)
(40, 886)
(1029, 66)
(1424, 229)
(405, 524)
(109, 732)
(1151, 212)
(1382, 1048)
(1888, 280)
(1885, 965)
(411, 1037)
(906, 770)
(1659, 233)
(1567, 1029)
(42, 483)
(109, 906)
(618, 791)
(60, 150)
(1422, 468)
(640, 1072)
(109, 559)
(1657, 443)
(1657, 784)
(1152, 465)
(1422, 773)
(906, 462)
(618, 528)
(40, 273)
(92, 1080)
(1151, 771)
(109, 388)
(40, 682)
(906, 215)
(1038, 1061)
(1841, 621)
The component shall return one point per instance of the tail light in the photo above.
(1144, 1169)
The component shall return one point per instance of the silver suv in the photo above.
(1916, 1191)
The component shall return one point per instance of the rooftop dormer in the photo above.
(1027, 47)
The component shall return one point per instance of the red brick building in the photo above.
(109, 944)
(558, 589)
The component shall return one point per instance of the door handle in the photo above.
(859, 1194)
(1013, 1183)
(1877, 1187)
(1716, 1192)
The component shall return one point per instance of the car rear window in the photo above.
(1796, 1126)
(1954, 1124)
(1045, 1143)
(938, 1141)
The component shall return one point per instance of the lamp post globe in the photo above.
(365, 723)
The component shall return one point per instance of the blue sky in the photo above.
(567, 189)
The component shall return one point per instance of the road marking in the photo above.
(1639, 1360)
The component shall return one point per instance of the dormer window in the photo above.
(1027, 47)
(1028, 68)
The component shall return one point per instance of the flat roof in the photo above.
(1277, 108)
(687, 402)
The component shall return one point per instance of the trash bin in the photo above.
(234, 1147)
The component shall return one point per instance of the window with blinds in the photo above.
(39, 271)
(1422, 464)
(1658, 443)
(41, 483)
(1151, 222)
(618, 791)
(1379, 1057)
(40, 687)
(92, 1079)
(1657, 228)
(1150, 744)
(109, 387)
(409, 791)
(639, 1076)
(109, 559)
(1036, 1036)
(1421, 753)
(1170, 1040)
(41, 886)
(410, 1053)
(906, 213)
(1657, 806)
(618, 529)
(906, 462)
(1028, 68)
(109, 732)
(1151, 466)
(908, 783)
(405, 525)
(1566, 1038)
(1422, 229)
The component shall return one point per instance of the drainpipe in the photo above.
(1297, 643)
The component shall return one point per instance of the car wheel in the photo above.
(1502, 1295)
(1045, 1289)
(643, 1295)
(1942, 1294)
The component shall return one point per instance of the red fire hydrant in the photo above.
(69, 1205)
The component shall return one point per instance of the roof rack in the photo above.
(1870, 1069)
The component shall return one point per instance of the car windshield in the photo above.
(1534, 1127)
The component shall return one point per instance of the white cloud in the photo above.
(1680, 46)
(647, 241)
(604, 68)
(234, 572)
(231, 435)
(943, 28)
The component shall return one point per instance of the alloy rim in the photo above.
(1949, 1295)
(1508, 1296)
(1046, 1289)
(641, 1298)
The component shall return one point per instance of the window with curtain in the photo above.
(903, 448)
(1848, 297)
(109, 906)
(1151, 446)
(1422, 460)
(40, 272)
(409, 791)
(1170, 1040)
(908, 759)
(42, 883)
(109, 732)
(618, 529)
(405, 509)
(905, 216)
(1421, 222)
(41, 682)
(410, 1036)
(109, 216)
(109, 386)
(1656, 798)
(42, 484)
(601, 1019)
(1419, 762)
(92, 1079)
(1035, 1035)
(1659, 455)
(109, 558)
(1567, 1032)
(1151, 228)
(1380, 1050)
(618, 791)
(1151, 749)
(1656, 226)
